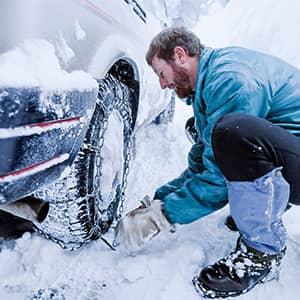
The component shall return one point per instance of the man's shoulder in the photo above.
(240, 60)
(227, 59)
(232, 53)
(243, 56)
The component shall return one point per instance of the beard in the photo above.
(183, 87)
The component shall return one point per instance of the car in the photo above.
(74, 89)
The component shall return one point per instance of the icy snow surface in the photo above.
(34, 63)
(64, 51)
(79, 32)
(163, 269)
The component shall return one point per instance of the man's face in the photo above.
(172, 76)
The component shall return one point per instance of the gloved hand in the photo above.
(142, 224)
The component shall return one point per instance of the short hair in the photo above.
(163, 44)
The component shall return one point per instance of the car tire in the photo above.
(84, 204)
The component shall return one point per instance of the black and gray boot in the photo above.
(238, 273)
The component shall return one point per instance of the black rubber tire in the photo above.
(76, 213)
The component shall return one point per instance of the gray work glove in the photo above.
(142, 224)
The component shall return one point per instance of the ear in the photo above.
(180, 55)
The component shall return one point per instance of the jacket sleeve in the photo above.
(201, 190)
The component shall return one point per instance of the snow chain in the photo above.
(96, 231)
(127, 137)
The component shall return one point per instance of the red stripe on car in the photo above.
(50, 123)
(34, 168)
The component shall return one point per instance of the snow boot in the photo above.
(238, 272)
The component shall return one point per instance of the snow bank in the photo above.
(270, 26)
(34, 64)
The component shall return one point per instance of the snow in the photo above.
(64, 51)
(112, 149)
(34, 63)
(270, 26)
(79, 32)
(163, 269)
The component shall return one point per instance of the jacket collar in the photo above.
(202, 69)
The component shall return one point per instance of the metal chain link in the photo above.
(120, 98)
(127, 137)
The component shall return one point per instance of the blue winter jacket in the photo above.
(230, 79)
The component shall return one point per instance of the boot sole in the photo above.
(207, 293)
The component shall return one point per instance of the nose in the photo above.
(163, 83)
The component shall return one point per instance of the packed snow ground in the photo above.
(163, 269)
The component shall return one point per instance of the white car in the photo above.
(74, 88)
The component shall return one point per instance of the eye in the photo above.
(161, 75)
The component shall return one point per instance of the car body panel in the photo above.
(36, 145)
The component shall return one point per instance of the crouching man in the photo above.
(247, 110)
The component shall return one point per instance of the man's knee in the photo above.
(242, 147)
(232, 149)
(228, 129)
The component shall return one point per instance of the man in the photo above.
(247, 110)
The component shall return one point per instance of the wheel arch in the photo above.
(126, 72)
(125, 64)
